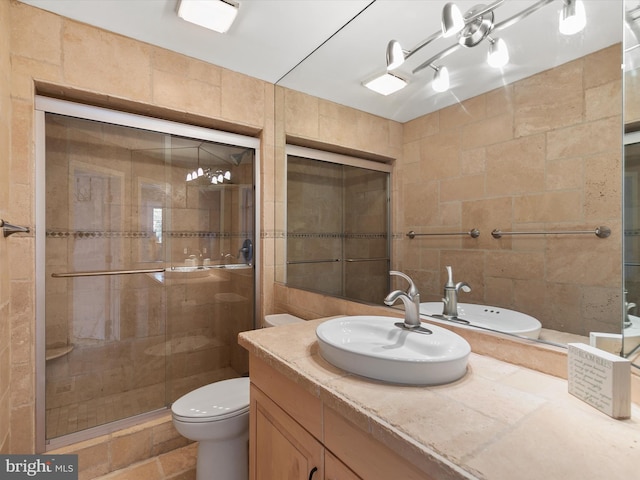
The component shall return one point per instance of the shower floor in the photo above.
(91, 413)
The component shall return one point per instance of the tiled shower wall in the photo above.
(314, 225)
(367, 227)
(123, 345)
(337, 224)
(541, 154)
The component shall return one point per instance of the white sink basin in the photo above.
(495, 318)
(632, 334)
(374, 347)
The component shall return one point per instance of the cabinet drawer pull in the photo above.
(313, 470)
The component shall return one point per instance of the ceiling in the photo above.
(327, 48)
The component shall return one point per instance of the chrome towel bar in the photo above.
(473, 233)
(600, 232)
(98, 273)
(296, 262)
(10, 229)
(377, 259)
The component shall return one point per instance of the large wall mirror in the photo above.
(631, 202)
(534, 147)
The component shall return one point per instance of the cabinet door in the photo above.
(334, 469)
(280, 449)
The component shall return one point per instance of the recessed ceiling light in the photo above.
(386, 84)
(217, 15)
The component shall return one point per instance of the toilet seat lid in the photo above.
(213, 402)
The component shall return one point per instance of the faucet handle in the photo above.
(412, 290)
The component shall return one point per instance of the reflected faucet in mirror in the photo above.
(450, 298)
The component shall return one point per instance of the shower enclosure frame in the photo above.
(348, 161)
(44, 105)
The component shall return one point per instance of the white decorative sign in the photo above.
(601, 379)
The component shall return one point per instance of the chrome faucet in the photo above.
(627, 309)
(450, 299)
(411, 300)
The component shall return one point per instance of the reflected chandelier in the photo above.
(214, 176)
(471, 29)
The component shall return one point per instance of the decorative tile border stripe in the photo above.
(364, 236)
(99, 234)
(266, 234)
(95, 234)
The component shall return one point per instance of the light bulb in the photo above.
(200, 171)
(220, 178)
(440, 81)
(227, 175)
(573, 17)
(452, 20)
(214, 180)
(188, 177)
(498, 55)
(395, 55)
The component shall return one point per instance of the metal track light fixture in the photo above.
(470, 29)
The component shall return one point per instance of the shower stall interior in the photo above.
(145, 241)
(338, 238)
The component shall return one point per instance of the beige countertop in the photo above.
(500, 421)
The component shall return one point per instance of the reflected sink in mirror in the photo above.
(632, 335)
(494, 318)
(375, 347)
(232, 266)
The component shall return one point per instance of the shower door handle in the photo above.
(313, 470)
(98, 273)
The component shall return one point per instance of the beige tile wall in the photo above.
(53, 55)
(5, 179)
(540, 154)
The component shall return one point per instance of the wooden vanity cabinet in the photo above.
(293, 436)
(282, 448)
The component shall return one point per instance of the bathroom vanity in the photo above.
(311, 420)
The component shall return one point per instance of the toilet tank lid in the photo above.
(217, 399)
(277, 319)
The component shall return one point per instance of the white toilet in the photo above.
(217, 416)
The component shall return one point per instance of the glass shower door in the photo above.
(103, 312)
(338, 228)
(149, 269)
